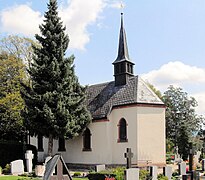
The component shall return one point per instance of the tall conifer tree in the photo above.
(55, 104)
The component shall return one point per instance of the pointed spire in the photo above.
(123, 66)
(122, 49)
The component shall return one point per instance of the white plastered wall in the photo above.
(145, 132)
(151, 134)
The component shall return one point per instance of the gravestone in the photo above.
(29, 157)
(177, 157)
(129, 155)
(17, 167)
(153, 172)
(40, 170)
(203, 164)
(100, 167)
(56, 162)
(167, 171)
(182, 168)
(132, 174)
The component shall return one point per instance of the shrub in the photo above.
(76, 174)
(119, 172)
(7, 169)
(144, 174)
(162, 177)
(100, 175)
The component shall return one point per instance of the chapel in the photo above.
(126, 113)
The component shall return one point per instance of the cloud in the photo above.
(175, 73)
(189, 78)
(76, 14)
(20, 20)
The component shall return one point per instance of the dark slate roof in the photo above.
(101, 98)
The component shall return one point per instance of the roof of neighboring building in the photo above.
(101, 98)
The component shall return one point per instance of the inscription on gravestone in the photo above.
(129, 155)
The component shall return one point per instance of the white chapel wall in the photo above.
(151, 134)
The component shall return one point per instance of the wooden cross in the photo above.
(129, 155)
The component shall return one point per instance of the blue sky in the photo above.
(166, 38)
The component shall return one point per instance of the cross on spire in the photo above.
(121, 6)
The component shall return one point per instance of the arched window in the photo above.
(40, 143)
(61, 144)
(87, 140)
(122, 137)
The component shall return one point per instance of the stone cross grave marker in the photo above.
(129, 155)
(29, 157)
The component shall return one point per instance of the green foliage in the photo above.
(119, 172)
(169, 146)
(162, 177)
(19, 47)
(56, 101)
(181, 119)
(144, 174)
(76, 174)
(7, 169)
(12, 73)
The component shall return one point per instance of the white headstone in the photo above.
(100, 167)
(132, 174)
(153, 172)
(167, 171)
(29, 157)
(182, 168)
(17, 167)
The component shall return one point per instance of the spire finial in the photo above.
(122, 7)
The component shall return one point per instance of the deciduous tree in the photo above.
(12, 73)
(181, 118)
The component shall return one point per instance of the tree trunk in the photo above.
(50, 145)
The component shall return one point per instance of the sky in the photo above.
(166, 38)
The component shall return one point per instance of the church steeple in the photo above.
(123, 67)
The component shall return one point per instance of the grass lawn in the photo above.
(17, 178)
(28, 178)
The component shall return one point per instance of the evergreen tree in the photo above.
(55, 104)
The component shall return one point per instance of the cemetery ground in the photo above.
(29, 178)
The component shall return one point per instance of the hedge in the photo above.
(10, 151)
